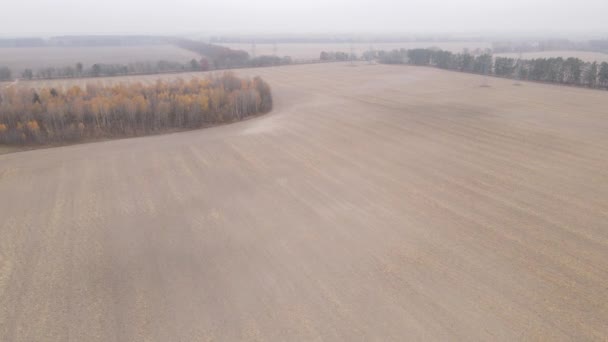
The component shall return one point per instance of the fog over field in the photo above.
(180, 16)
(319, 170)
(375, 202)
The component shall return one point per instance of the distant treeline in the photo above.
(29, 116)
(221, 57)
(84, 41)
(264, 61)
(100, 70)
(600, 45)
(570, 71)
(5, 74)
(213, 57)
(137, 68)
(338, 38)
(336, 56)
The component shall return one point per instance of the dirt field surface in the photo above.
(374, 203)
(18, 59)
(9, 149)
(312, 51)
(586, 56)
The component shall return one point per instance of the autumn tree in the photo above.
(58, 115)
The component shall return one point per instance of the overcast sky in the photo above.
(25, 17)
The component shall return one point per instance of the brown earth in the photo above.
(375, 203)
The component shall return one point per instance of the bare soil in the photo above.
(375, 203)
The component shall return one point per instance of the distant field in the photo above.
(18, 59)
(586, 56)
(312, 51)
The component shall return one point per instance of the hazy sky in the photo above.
(23, 17)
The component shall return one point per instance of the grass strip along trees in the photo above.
(42, 116)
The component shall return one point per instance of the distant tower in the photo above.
(371, 54)
(253, 49)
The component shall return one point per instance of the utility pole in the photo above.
(485, 76)
(487, 67)
(518, 69)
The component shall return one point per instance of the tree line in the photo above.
(91, 40)
(50, 115)
(101, 70)
(137, 68)
(221, 57)
(213, 57)
(5, 74)
(336, 56)
(569, 71)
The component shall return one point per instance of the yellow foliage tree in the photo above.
(57, 115)
(33, 126)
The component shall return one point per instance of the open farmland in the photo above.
(18, 59)
(306, 51)
(374, 203)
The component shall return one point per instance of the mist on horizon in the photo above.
(39, 17)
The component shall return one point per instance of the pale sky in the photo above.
(50, 17)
